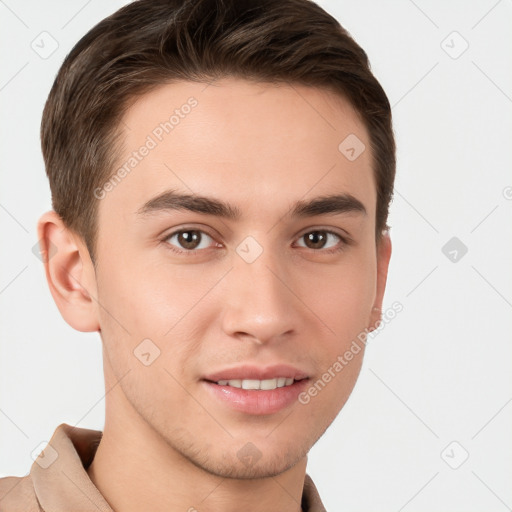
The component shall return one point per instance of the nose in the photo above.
(260, 303)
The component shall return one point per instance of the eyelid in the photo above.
(344, 235)
(202, 229)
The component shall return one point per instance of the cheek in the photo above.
(344, 302)
(343, 297)
(168, 305)
(149, 297)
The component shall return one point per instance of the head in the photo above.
(221, 173)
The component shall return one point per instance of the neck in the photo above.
(135, 469)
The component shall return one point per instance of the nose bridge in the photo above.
(260, 302)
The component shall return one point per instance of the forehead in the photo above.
(245, 142)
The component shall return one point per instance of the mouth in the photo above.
(256, 384)
(256, 390)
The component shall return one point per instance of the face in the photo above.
(244, 284)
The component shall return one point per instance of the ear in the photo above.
(383, 257)
(69, 272)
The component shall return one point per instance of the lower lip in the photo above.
(256, 401)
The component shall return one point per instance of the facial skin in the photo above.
(168, 442)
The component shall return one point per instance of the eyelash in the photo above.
(345, 241)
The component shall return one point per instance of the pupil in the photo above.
(316, 237)
(189, 239)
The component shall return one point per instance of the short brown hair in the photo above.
(152, 42)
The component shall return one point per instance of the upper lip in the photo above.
(257, 373)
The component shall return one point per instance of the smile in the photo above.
(266, 384)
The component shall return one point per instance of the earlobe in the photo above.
(383, 257)
(69, 272)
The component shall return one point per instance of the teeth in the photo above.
(251, 384)
(266, 384)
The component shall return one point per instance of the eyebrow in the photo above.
(172, 200)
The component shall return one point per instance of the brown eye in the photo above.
(315, 239)
(320, 239)
(188, 240)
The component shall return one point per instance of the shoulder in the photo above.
(17, 494)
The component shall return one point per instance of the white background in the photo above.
(439, 372)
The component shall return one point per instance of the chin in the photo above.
(265, 467)
(240, 458)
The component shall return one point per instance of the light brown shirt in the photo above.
(58, 481)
